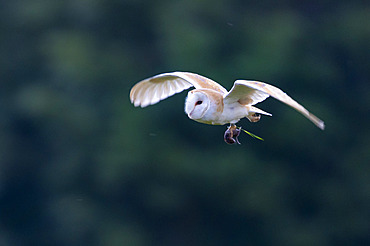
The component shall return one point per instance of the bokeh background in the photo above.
(79, 165)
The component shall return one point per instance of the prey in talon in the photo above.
(231, 134)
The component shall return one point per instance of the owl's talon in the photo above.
(255, 117)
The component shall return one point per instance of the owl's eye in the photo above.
(198, 102)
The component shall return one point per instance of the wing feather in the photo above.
(252, 92)
(152, 90)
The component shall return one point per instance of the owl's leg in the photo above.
(231, 134)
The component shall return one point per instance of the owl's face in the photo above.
(196, 105)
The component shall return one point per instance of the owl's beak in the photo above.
(190, 114)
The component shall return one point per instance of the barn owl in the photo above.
(210, 103)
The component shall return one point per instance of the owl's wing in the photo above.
(248, 92)
(152, 90)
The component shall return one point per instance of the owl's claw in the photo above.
(231, 134)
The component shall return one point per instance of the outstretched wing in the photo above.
(152, 90)
(248, 92)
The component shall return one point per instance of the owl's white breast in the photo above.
(232, 113)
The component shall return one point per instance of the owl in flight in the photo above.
(210, 103)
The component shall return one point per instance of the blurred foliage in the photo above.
(81, 166)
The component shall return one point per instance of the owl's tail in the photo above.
(258, 111)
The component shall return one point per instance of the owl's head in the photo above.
(197, 104)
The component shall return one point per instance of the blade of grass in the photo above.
(252, 135)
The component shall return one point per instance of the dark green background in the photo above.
(79, 165)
